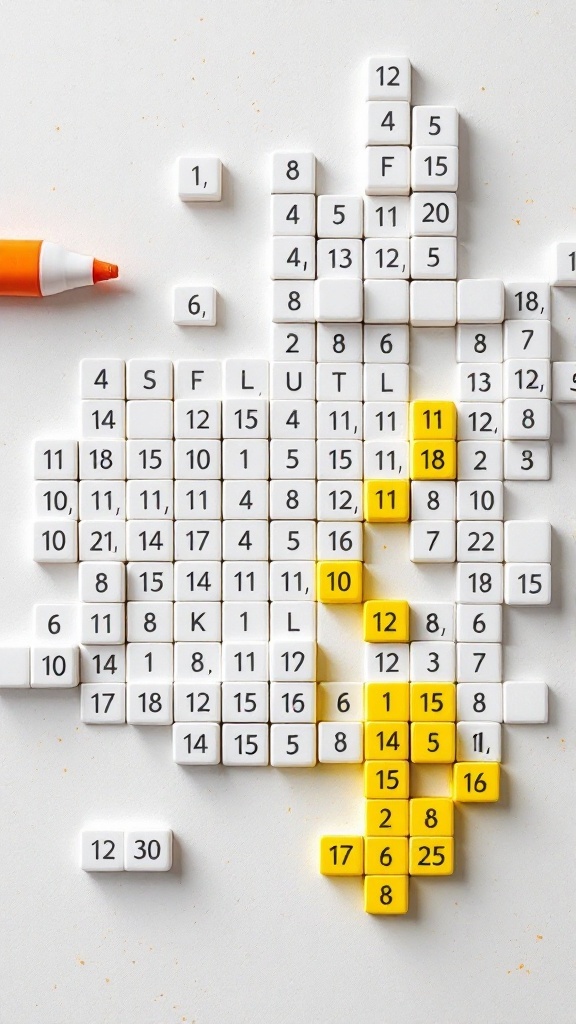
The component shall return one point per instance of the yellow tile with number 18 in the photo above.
(386, 622)
(433, 460)
(387, 501)
(339, 582)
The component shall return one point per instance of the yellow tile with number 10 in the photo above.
(386, 622)
(433, 420)
(387, 501)
(476, 781)
(433, 460)
(342, 855)
(339, 582)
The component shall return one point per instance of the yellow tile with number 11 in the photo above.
(433, 420)
(387, 501)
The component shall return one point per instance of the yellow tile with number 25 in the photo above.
(431, 856)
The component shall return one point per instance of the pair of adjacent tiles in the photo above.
(148, 849)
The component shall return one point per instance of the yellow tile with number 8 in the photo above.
(339, 582)
(432, 744)
(432, 702)
(387, 817)
(386, 894)
(429, 420)
(432, 815)
(431, 856)
(476, 781)
(386, 740)
(342, 855)
(386, 622)
(390, 855)
(387, 702)
(386, 778)
(387, 501)
(433, 460)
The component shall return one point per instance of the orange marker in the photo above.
(43, 268)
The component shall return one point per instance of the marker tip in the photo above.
(103, 271)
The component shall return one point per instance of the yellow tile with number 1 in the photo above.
(433, 460)
(431, 856)
(432, 743)
(476, 781)
(433, 420)
(386, 894)
(386, 622)
(387, 702)
(339, 582)
(387, 501)
(342, 855)
(386, 740)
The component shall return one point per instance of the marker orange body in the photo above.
(43, 268)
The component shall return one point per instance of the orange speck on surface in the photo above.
(520, 966)
(516, 220)
(539, 936)
(103, 271)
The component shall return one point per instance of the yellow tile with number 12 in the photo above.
(386, 622)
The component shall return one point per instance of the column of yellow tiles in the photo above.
(433, 440)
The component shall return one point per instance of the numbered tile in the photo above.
(479, 622)
(435, 168)
(526, 460)
(386, 501)
(198, 460)
(431, 857)
(388, 779)
(292, 420)
(148, 850)
(245, 745)
(480, 541)
(434, 660)
(194, 306)
(564, 382)
(195, 743)
(242, 582)
(339, 258)
(527, 378)
(200, 178)
(527, 541)
(199, 539)
(193, 378)
(198, 500)
(433, 213)
(102, 460)
(102, 624)
(432, 702)
(433, 500)
(527, 583)
(340, 742)
(293, 172)
(103, 705)
(54, 666)
(293, 342)
(293, 214)
(386, 894)
(149, 378)
(55, 460)
(432, 745)
(244, 660)
(338, 299)
(58, 500)
(478, 742)
(387, 124)
(480, 500)
(339, 342)
(293, 302)
(527, 339)
(292, 539)
(148, 540)
(341, 856)
(480, 420)
(386, 343)
(197, 661)
(197, 702)
(433, 258)
(245, 701)
(293, 660)
(198, 581)
(525, 703)
(432, 541)
(434, 126)
(433, 303)
(339, 502)
(14, 667)
(481, 460)
(150, 662)
(103, 418)
(154, 459)
(293, 258)
(339, 216)
(479, 343)
(292, 581)
(197, 419)
(479, 583)
(289, 703)
(338, 541)
(245, 418)
(293, 746)
(103, 665)
(476, 781)
(339, 420)
(432, 815)
(149, 622)
(149, 704)
(56, 620)
(340, 702)
(245, 499)
(101, 850)
(431, 620)
(149, 419)
(386, 702)
(149, 500)
(387, 258)
(389, 78)
(528, 300)
(480, 662)
(102, 379)
(242, 540)
(295, 458)
(387, 662)
(386, 302)
(387, 217)
(480, 302)
(480, 383)
(479, 702)
(106, 500)
(55, 541)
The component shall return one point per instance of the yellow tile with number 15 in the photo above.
(386, 622)
(386, 778)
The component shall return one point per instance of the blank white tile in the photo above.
(433, 499)
(149, 419)
(385, 460)
(101, 850)
(197, 621)
(433, 213)
(434, 126)
(103, 418)
(246, 541)
(149, 540)
(103, 705)
(197, 418)
(432, 541)
(293, 660)
(386, 302)
(480, 301)
(340, 702)
(293, 214)
(56, 622)
(387, 216)
(55, 540)
(102, 379)
(198, 581)
(197, 499)
(150, 581)
(293, 540)
(150, 459)
(293, 258)
(340, 742)
(196, 378)
(55, 459)
(479, 702)
(242, 582)
(527, 418)
(339, 257)
(387, 170)
(527, 541)
(197, 661)
(480, 541)
(433, 660)
(387, 123)
(293, 171)
(479, 583)
(431, 620)
(243, 620)
(197, 702)
(292, 581)
(200, 539)
(527, 583)
(525, 703)
(339, 461)
(245, 499)
(56, 499)
(388, 78)
(339, 216)
(149, 662)
(194, 305)
(54, 666)
(244, 661)
(293, 342)
(386, 421)
(199, 178)
(526, 460)
(528, 300)
(14, 667)
(245, 459)
(103, 665)
(148, 850)
(339, 342)
(293, 746)
(476, 742)
(433, 303)
(103, 499)
(196, 743)
(387, 382)
(479, 623)
(386, 661)
(479, 343)
(339, 501)
(292, 499)
(102, 623)
(146, 499)
(434, 168)
(292, 419)
(433, 258)
(527, 339)
(290, 703)
(387, 258)
(293, 619)
(338, 299)
(480, 460)
(149, 378)
(293, 302)
(480, 420)
(245, 745)
(101, 541)
(479, 662)
(247, 418)
(483, 500)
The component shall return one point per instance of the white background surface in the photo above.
(97, 102)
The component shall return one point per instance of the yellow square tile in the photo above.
(389, 855)
(339, 582)
(431, 856)
(342, 855)
(386, 894)
(387, 702)
(386, 817)
(432, 815)
(386, 622)
(387, 501)
(432, 702)
(432, 743)
(386, 779)
(476, 781)
(386, 740)
(433, 460)
(433, 420)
